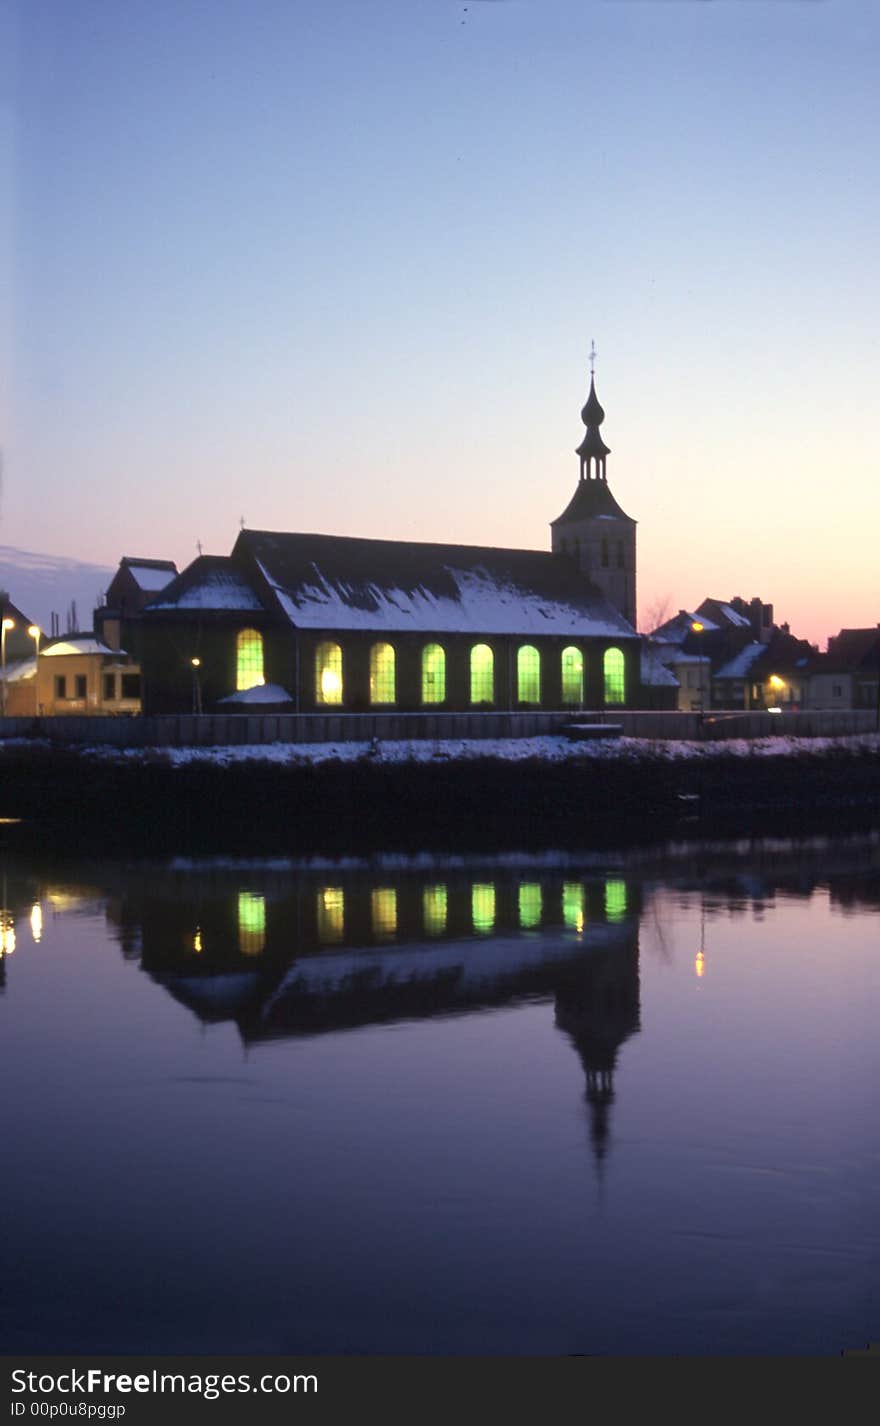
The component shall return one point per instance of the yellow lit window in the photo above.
(572, 676)
(251, 923)
(615, 900)
(433, 674)
(331, 915)
(529, 904)
(382, 680)
(483, 906)
(528, 674)
(573, 905)
(434, 909)
(482, 674)
(615, 688)
(248, 659)
(384, 907)
(328, 673)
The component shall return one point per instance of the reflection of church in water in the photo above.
(291, 954)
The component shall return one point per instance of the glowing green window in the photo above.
(382, 680)
(331, 915)
(573, 905)
(482, 674)
(483, 906)
(528, 674)
(328, 673)
(614, 676)
(248, 659)
(615, 900)
(434, 909)
(384, 907)
(572, 676)
(530, 904)
(433, 674)
(251, 923)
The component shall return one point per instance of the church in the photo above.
(311, 622)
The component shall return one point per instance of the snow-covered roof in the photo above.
(654, 673)
(20, 670)
(260, 693)
(737, 619)
(739, 665)
(151, 577)
(210, 582)
(676, 630)
(76, 645)
(335, 582)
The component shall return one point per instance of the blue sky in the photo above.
(337, 267)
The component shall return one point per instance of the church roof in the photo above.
(592, 499)
(211, 582)
(339, 582)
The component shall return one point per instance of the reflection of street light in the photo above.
(35, 631)
(197, 687)
(6, 624)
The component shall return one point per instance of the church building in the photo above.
(313, 622)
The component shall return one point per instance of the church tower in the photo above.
(592, 528)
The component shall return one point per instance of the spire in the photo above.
(592, 448)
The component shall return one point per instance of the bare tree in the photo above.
(655, 614)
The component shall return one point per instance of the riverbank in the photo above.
(444, 795)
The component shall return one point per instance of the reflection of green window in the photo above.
(248, 659)
(331, 915)
(433, 674)
(615, 900)
(434, 909)
(573, 905)
(483, 906)
(328, 673)
(251, 923)
(528, 674)
(384, 907)
(614, 676)
(529, 904)
(482, 674)
(572, 676)
(382, 681)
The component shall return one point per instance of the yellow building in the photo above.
(76, 675)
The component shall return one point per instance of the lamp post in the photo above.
(35, 631)
(197, 687)
(778, 686)
(5, 625)
(697, 628)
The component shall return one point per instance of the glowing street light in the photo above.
(697, 628)
(5, 625)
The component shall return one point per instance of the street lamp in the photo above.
(777, 684)
(698, 628)
(35, 632)
(197, 687)
(5, 625)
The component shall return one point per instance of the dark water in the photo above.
(523, 1106)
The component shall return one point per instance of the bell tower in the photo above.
(593, 529)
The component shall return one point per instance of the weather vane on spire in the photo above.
(592, 358)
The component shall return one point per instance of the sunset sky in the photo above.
(336, 267)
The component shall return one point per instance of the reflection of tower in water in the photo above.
(598, 1008)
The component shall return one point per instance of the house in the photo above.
(848, 675)
(74, 675)
(767, 675)
(315, 622)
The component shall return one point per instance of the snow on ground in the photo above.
(546, 749)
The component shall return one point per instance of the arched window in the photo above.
(482, 674)
(615, 686)
(572, 677)
(328, 673)
(382, 680)
(604, 554)
(248, 659)
(433, 674)
(528, 674)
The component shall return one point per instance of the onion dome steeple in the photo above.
(592, 448)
